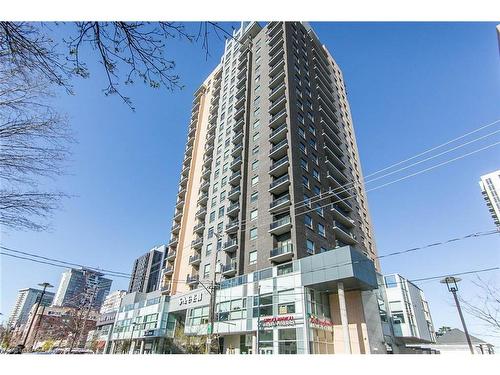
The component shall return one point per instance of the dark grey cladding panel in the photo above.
(343, 264)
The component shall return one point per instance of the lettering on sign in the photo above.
(316, 322)
(278, 321)
(187, 300)
(150, 332)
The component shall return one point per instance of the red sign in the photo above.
(316, 322)
(278, 321)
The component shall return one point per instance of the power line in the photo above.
(265, 222)
(65, 262)
(394, 253)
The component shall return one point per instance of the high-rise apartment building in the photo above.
(272, 208)
(490, 187)
(79, 287)
(271, 171)
(26, 299)
(146, 271)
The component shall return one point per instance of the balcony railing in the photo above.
(285, 251)
(279, 163)
(279, 181)
(192, 279)
(278, 223)
(280, 201)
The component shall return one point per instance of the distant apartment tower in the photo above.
(26, 299)
(146, 271)
(112, 301)
(82, 286)
(409, 311)
(490, 187)
(271, 170)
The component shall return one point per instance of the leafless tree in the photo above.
(34, 142)
(486, 305)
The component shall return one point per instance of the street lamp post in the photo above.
(451, 283)
(45, 286)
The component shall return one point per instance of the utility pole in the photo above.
(45, 286)
(451, 283)
(94, 292)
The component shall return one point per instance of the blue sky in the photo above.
(411, 86)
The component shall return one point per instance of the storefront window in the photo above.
(285, 268)
(198, 316)
(287, 341)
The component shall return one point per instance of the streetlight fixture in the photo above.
(45, 286)
(451, 283)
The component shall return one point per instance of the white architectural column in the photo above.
(343, 317)
(254, 343)
(112, 351)
(132, 347)
(142, 347)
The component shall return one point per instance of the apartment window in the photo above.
(216, 174)
(315, 158)
(214, 202)
(312, 130)
(252, 257)
(323, 250)
(315, 174)
(221, 211)
(390, 281)
(302, 147)
(208, 249)
(255, 180)
(300, 118)
(257, 88)
(254, 214)
(254, 197)
(321, 229)
(312, 143)
(308, 221)
(210, 232)
(302, 133)
(222, 195)
(307, 200)
(256, 101)
(253, 233)
(256, 124)
(216, 187)
(305, 181)
(319, 209)
(257, 80)
(212, 217)
(310, 246)
(206, 271)
(255, 150)
(223, 181)
(255, 165)
(256, 136)
(220, 227)
(256, 112)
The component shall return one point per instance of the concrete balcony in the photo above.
(200, 214)
(230, 246)
(278, 52)
(169, 270)
(238, 126)
(280, 226)
(185, 170)
(279, 185)
(341, 216)
(192, 280)
(242, 72)
(166, 288)
(273, 28)
(195, 260)
(277, 105)
(199, 228)
(279, 167)
(232, 226)
(343, 203)
(203, 199)
(239, 113)
(343, 234)
(275, 68)
(276, 92)
(336, 173)
(205, 186)
(173, 242)
(280, 204)
(279, 150)
(281, 254)
(278, 118)
(233, 209)
(235, 178)
(277, 80)
(205, 173)
(170, 255)
(207, 161)
(183, 182)
(279, 133)
(236, 163)
(176, 228)
(237, 149)
(234, 194)
(237, 138)
(177, 215)
(229, 270)
(197, 243)
(240, 93)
